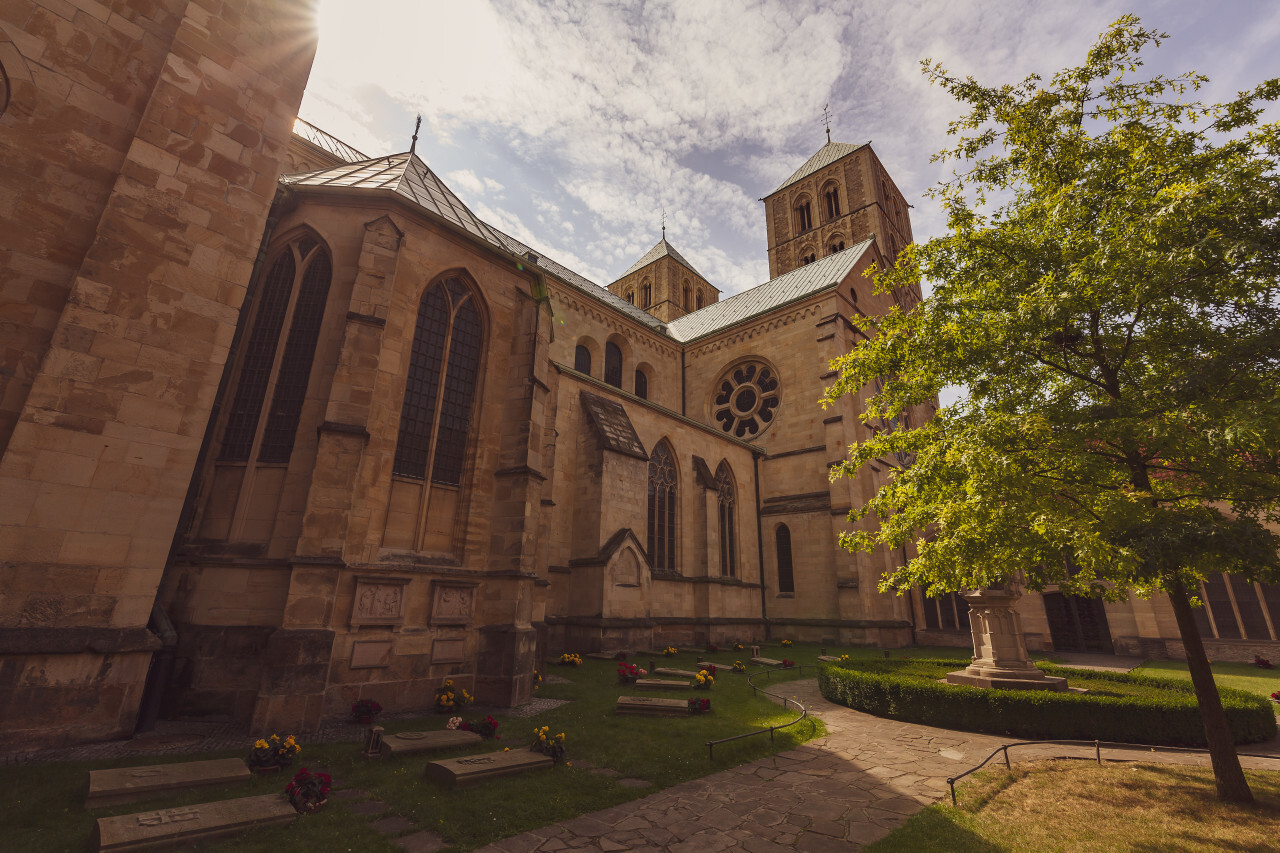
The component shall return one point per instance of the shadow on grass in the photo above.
(937, 828)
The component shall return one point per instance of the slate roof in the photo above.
(788, 287)
(327, 141)
(662, 249)
(826, 155)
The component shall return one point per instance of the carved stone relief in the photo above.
(378, 601)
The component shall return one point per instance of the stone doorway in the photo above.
(1077, 624)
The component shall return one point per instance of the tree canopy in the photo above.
(1109, 295)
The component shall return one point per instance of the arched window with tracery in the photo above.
(782, 543)
(293, 295)
(662, 509)
(804, 216)
(631, 297)
(582, 359)
(435, 418)
(613, 364)
(831, 200)
(726, 497)
(284, 323)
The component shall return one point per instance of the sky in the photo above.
(574, 126)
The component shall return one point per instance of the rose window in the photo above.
(745, 399)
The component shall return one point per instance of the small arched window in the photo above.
(838, 246)
(804, 217)
(631, 297)
(642, 385)
(699, 299)
(688, 302)
(662, 510)
(646, 295)
(831, 197)
(809, 258)
(435, 420)
(613, 364)
(294, 292)
(786, 578)
(582, 359)
(726, 495)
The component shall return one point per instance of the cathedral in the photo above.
(284, 425)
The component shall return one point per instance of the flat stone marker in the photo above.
(766, 662)
(477, 768)
(651, 706)
(603, 655)
(682, 673)
(829, 658)
(407, 743)
(661, 684)
(178, 827)
(702, 664)
(127, 784)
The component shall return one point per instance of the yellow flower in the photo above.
(560, 736)
(506, 749)
(261, 744)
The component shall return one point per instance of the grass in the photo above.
(1242, 676)
(44, 810)
(1070, 805)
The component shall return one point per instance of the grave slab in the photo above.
(128, 784)
(766, 662)
(181, 826)
(605, 655)
(407, 743)
(682, 673)
(477, 768)
(651, 706)
(661, 684)
(829, 658)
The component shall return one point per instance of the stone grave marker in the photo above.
(128, 784)
(766, 661)
(828, 658)
(407, 743)
(651, 706)
(662, 684)
(477, 768)
(680, 673)
(613, 655)
(181, 826)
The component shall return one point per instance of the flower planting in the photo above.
(450, 698)
(272, 752)
(739, 666)
(699, 706)
(670, 651)
(308, 791)
(628, 673)
(547, 744)
(570, 659)
(364, 710)
(703, 680)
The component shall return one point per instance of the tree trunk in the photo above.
(1232, 786)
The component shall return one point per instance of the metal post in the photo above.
(952, 783)
(1097, 751)
(1007, 765)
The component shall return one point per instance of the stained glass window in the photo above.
(662, 510)
(786, 578)
(613, 364)
(725, 498)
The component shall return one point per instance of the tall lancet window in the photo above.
(726, 498)
(443, 369)
(782, 541)
(662, 509)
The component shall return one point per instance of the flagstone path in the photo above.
(836, 793)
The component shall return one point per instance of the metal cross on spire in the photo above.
(664, 223)
(826, 119)
(417, 125)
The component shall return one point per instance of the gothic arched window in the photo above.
(662, 510)
(293, 294)
(631, 297)
(613, 364)
(726, 494)
(831, 197)
(642, 385)
(582, 359)
(782, 541)
(444, 363)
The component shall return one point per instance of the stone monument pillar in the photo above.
(999, 649)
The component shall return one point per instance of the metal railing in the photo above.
(1097, 753)
(755, 690)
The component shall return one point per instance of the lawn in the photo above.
(1070, 805)
(1242, 676)
(44, 810)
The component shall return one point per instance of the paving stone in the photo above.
(370, 807)
(811, 842)
(393, 825)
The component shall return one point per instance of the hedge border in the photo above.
(1172, 719)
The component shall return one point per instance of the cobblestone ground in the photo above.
(837, 793)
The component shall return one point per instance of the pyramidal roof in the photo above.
(826, 155)
(406, 175)
(663, 249)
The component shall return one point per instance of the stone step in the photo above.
(407, 743)
(661, 684)
(129, 784)
(477, 768)
(651, 706)
(179, 827)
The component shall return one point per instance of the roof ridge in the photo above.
(660, 249)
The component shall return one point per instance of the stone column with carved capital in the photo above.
(1000, 656)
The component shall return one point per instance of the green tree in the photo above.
(1107, 293)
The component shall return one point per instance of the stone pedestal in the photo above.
(1000, 657)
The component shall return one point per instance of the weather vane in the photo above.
(416, 126)
(664, 222)
(826, 119)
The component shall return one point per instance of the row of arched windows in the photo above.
(612, 368)
(661, 527)
(693, 299)
(803, 209)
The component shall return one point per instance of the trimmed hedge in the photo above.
(1167, 715)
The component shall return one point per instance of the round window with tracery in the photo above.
(746, 397)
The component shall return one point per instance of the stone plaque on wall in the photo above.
(367, 654)
(452, 603)
(448, 651)
(378, 601)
